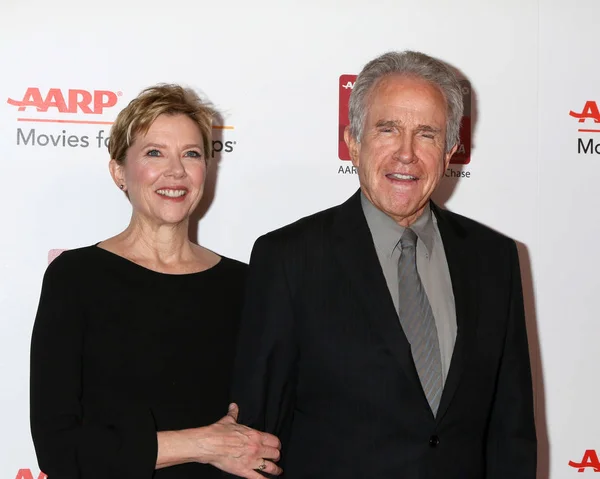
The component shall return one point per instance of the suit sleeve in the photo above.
(512, 443)
(70, 443)
(264, 373)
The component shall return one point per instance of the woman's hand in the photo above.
(238, 449)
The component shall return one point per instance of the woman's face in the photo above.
(164, 171)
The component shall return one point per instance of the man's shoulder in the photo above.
(313, 226)
(472, 229)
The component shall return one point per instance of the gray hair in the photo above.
(411, 64)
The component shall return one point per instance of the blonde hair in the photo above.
(163, 99)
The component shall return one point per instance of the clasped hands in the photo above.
(240, 450)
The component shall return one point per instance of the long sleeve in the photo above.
(512, 444)
(70, 443)
(264, 372)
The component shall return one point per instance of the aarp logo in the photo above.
(588, 112)
(57, 105)
(69, 101)
(589, 462)
(345, 89)
(588, 120)
(28, 474)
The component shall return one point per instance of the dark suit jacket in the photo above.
(324, 364)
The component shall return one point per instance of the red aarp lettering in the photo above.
(75, 100)
(104, 99)
(27, 474)
(590, 459)
(590, 112)
(81, 99)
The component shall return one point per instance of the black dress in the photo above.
(120, 352)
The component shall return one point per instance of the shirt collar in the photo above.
(387, 233)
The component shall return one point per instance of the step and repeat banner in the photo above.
(280, 74)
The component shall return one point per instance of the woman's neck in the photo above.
(164, 248)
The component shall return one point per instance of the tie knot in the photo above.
(408, 239)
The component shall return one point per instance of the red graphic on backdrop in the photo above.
(462, 155)
(590, 459)
(589, 112)
(71, 101)
(27, 474)
(346, 85)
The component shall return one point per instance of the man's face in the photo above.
(402, 153)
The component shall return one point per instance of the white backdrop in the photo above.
(273, 70)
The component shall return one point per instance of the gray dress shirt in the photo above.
(431, 266)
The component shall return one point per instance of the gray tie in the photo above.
(418, 322)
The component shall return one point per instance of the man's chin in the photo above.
(404, 215)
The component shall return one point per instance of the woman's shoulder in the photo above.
(74, 259)
(233, 264)
(72, 268)
(229, 271)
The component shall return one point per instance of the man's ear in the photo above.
(449, 155)
(117, 173)
(353, 146)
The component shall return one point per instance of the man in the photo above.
(385, 338)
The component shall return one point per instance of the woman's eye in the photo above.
(153, 153)
(194, 154)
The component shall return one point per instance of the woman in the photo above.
(133, 341)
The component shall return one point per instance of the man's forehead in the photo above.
(407, 87)
(390, 112)
(411, 97)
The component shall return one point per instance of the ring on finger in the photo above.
(263, 465)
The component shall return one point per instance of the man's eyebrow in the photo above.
(381, 123)
(428, 128)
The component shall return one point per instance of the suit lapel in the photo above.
(355, 252)
(462, 267)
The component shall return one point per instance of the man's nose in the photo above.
(405, 149)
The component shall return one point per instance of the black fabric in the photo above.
(120, 352)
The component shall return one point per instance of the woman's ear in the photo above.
(117, 173)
